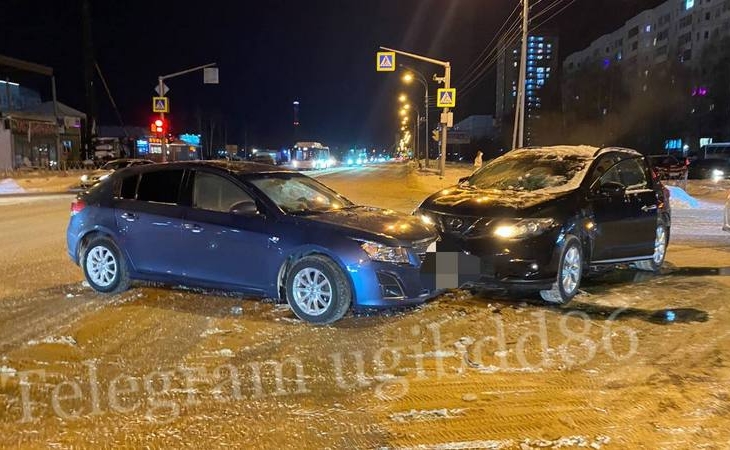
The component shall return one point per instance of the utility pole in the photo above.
(88, 52)
(518, 134)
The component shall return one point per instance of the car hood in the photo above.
(383, 225)
(491, 203)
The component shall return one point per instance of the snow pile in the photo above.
(62, 340)
(8, 371)
(680, 199)
(9, 186)
(425, 414)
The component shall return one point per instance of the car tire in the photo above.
(317, 290)
(660, 251)
(104, 266)
(570, 272)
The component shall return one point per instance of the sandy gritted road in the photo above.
(636, 361)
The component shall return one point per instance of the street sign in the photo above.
(448, 119)
(210, 75)
(165, 89)
(160, 105)
(385, 62)
(446, 98)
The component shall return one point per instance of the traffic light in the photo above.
(159, 126)
(436, 135)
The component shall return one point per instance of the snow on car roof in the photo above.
(586, 151)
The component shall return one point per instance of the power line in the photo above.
(488, 47)
(484, 64)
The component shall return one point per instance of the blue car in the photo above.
(249, 228)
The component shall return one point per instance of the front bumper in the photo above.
(460, 261)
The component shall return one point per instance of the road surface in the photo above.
(635, 361)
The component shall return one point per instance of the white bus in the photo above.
(310, 155)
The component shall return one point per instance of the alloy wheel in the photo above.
(101, 265)
(312, 291)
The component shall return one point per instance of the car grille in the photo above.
(456, 224)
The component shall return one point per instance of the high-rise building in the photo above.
(676, 29)
(542, 64)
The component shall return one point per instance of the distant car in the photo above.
(709, 169)
(250, 228)
(668, 167)
(89, 179)
(263, 158)
(541, 218)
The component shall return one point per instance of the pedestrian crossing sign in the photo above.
(446, 98)
(160, 105)
(386, 62)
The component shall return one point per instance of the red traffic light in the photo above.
(158, 126)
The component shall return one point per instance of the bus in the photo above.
(310, 155)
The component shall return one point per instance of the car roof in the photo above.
(586, 151)
(233, 167)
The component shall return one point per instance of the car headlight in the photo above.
(717, 173)
(84, 178)
(383, 253)
(524, 228)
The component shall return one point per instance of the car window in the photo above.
(161, 186)
(215, 193)
(629, 172)
(602, 165)
(530, 171)
(299, 194)
(128, 187)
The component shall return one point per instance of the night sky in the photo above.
(270, 53)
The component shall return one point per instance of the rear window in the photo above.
(161, 186)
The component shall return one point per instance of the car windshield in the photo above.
(298, 194)
(531, 171)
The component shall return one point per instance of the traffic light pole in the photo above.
(161, 86)
(447, 84)
(163, 139)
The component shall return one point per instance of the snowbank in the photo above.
(10, 186)
(680, 199)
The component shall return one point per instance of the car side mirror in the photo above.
(244, 208)
(612, 189)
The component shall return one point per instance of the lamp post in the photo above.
(408, 78)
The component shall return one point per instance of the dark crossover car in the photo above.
(90, 179)
(251, 228)
(541, 218)
(709, 169)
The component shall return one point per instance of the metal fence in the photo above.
(73, 168)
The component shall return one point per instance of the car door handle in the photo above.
(195, 228)
(129, 217)
(647, 208)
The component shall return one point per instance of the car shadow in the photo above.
(604, 284)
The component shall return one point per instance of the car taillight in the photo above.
(77, 206)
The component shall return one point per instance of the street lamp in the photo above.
(408, 78)
(402, 98)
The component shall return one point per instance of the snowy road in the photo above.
(167, 367)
